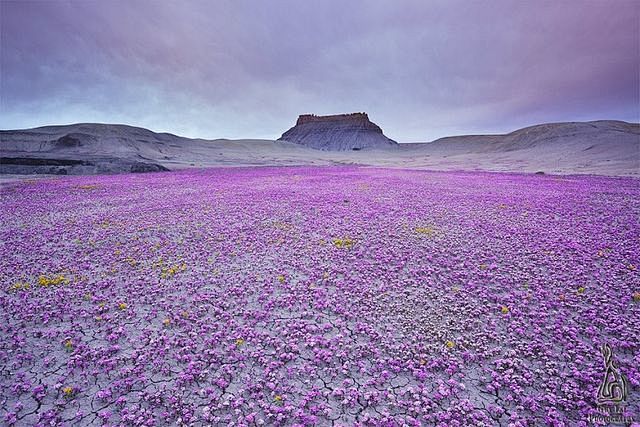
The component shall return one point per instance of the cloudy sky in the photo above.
(246, 69)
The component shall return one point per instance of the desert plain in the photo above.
(333, 295)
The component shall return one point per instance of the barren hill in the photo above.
(600, 147)
(605, 147)
(91, 148)
(340, 132)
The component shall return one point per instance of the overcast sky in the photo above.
(246, 69)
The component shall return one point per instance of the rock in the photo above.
(141, 167)
(72, 140)
(30, 161)
(341, 132)
(66, 166)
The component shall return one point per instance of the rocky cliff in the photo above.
(340, 132)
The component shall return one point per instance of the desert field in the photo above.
(316, 296)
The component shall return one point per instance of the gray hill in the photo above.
(600, 147)
(340, 132)
(606, 135)
(605, 147)
(96, 148)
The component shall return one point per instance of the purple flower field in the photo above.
(316, 296)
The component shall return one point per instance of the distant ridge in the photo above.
(339, 132)
(604, 147)
(548, 135)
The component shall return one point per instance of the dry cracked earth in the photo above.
(316, 296)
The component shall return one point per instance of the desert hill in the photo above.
(599, 147)
(605, 147)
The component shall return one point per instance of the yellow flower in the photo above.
(281, 278)
(343, 243)
(581, 289)
(19, 286)
(450, 344)
(429, 231)
(68, 344)
(67, 391)
(504, 309)
(239, 342)
(636, 296)
(632, 267)
(98, 318)
(45, 281)
(122, 306)
(278, 398)
(172, 270)
(166, 322)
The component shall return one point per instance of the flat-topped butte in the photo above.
(339, 132)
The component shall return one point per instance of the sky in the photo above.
(246, 69)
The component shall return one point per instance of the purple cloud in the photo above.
(248, 68)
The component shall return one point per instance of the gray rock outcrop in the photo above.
(340, 132)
